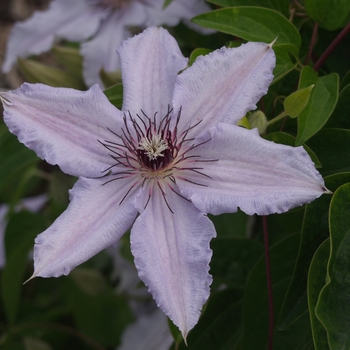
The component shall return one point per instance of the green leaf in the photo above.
(333, 307)
(102, 315)
(336, 180)
(314, 232)
(332, 148)
(287, 139)
(198, 52)
(220, 324)
(234, 224)
(88, 280)
(298, 336)
(233, 259)
(345, 81)
(278, 5)
(59, 186)
(37, 72)
(255, 301)
(340, 116)
(323, 99)
(11, 343)
(296, 102)
(115, 95)
(175, 332)
(70, 58)
(307, 77)
(35, 344)
(167, 3)
(316, 281)
(289, 222)
(19, 240)
(284, 64)
(330, 14)
(109, 79)
(253, 24)
(18, 164)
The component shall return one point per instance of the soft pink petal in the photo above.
(223, 85)
(94, 220)
(63, 126)
(71, 20)
(150, 62)
(101, 51)
(251, 173)
(172, 255)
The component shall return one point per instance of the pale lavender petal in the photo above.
(148, 332)
(63, 126)
(33, 204)
(178, 10)
(101, 51)
(71, 20)
(83, 25)
(251, 173)
(150, 62)
(172, 255)
(223, 85)
(93, 221)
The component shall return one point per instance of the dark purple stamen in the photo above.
(152, 150)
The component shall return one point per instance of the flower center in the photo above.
(153, 147)
(148, 146)
(157, 145)
(152, 150)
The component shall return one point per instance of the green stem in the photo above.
(276, 119)
(312, 43)
(300, 64)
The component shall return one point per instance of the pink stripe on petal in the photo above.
(150, 63)
(251, 173)
(172, 256)
(93, 221)
(63, 126)
(223, 85)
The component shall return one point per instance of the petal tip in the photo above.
(273, 42)
(30, 278)
(326, 190)
(184, 336)
(5, 100)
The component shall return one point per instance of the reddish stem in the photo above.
(312, 43)
(331, 47)
(269, 282)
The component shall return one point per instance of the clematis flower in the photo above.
(171, 155)
(106, 22)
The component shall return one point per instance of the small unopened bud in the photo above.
(258, 120)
